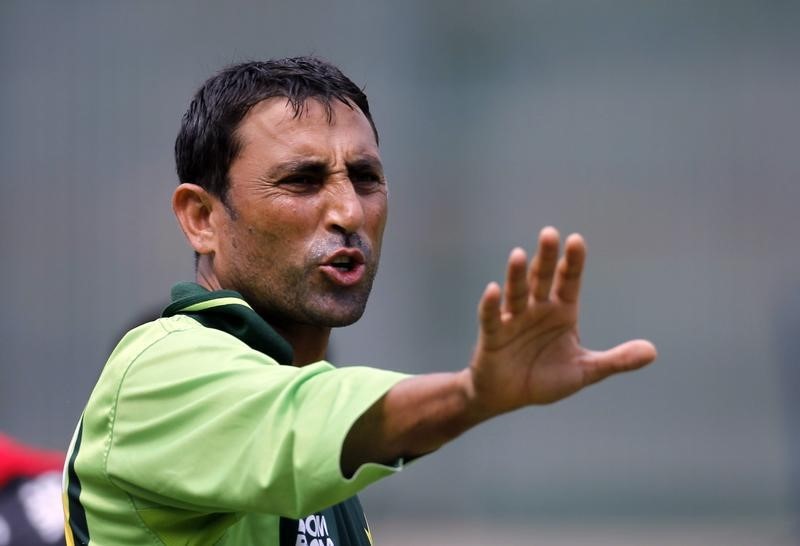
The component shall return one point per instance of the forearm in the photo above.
(527, 353)
(416, 416)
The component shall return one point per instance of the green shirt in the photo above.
(194, 434)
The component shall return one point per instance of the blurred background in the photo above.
(666, 132)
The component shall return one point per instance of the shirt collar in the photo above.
(226, 310)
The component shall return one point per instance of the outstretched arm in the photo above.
(528, 352)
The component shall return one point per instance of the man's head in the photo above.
(207, 142)
(282, 191)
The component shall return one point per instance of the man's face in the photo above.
(307, 207)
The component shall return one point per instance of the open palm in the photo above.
(528, 349)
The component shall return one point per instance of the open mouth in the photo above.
(343, 263)
(345, 267)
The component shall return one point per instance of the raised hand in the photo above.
(528, 349)
(528, 352)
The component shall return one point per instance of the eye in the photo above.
(366, 180)
(301, 183)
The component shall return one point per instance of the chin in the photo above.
(338, 311)
(342, 320)
(337, 315)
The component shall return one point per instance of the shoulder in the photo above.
(166, 352)
(172, 343)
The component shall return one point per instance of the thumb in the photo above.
(625, 357)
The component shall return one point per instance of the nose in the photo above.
(345, 211)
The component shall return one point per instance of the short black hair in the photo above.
(207, 143)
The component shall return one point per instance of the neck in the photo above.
(309, 343)
(205, 275)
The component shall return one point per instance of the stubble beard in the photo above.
(303, 295)
(303, 301)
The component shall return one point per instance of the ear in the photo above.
(193, 207)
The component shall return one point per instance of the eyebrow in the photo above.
(365, 163)
(320, 168)
(300, 165)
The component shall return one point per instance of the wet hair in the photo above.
(207, 142)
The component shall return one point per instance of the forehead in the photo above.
(273, 131)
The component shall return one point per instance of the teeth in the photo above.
(341, 260)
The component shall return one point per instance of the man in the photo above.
(221, 423)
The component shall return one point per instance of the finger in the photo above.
(516, 289)
(570, 268)
(625, 357)
(489, 309)
(543, 264)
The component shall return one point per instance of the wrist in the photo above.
(475, 410)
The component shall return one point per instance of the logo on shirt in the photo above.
(313, 531)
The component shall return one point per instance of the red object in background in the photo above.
(19, 461)
(31, 512)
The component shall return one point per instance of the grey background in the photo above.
(665, 132)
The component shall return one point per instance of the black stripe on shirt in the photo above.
(77, 515)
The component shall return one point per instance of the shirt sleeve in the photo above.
(202, 422)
